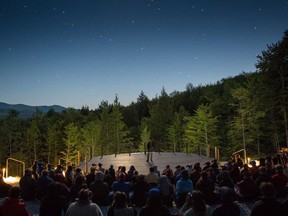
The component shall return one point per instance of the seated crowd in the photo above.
(190, 190)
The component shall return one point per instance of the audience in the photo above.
(225, 188)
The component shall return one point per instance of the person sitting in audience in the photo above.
(91, 176)
(151, 178)
(167, 190)
(120, 206)
(140, 188)
(227, 207)
(28, 186)
(83, 206)
(263, 177)
(195, 205)
(183, 187)
(268, 205)
(246, 189)
(4, 188)
(280, 181)
(56, 200)
(12, 205)
(100, 189)
(122, 185)
(154, 205)
(206, 186)
(223, 179)
(77, 186)
(42, 183)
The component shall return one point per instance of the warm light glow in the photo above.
(11, 179)
(3, 172)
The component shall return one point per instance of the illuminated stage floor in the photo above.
(139, 161)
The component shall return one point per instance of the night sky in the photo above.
(77, 53)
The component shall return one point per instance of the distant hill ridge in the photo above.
(26, 111)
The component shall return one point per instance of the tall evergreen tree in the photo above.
(201, 130)
(119, 131)
(273, 63)
(161, 117)
(72, 144)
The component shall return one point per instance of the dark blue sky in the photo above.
(76, 53)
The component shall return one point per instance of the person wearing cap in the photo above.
(267, 205)
(83, 206)
(280, 181)
(154, 205)
(28, 186)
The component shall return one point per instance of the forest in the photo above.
(246, 111)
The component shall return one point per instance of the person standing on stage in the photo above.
(149, 152)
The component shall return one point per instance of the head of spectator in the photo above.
(15, 192)
(99, 176)
(59, 177)
(28, 172)
(80, 180)
(253, 163)
(92, 170)
(154, 197)
(195, 199)
(123, 169)
(279, 169)
(267, 190)
(119, 200)
(262, 170)
(184, 174)
(227, 195)
(122, 177)
(84, 196)
(44, 173)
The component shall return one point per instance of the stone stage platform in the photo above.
(139, 161)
